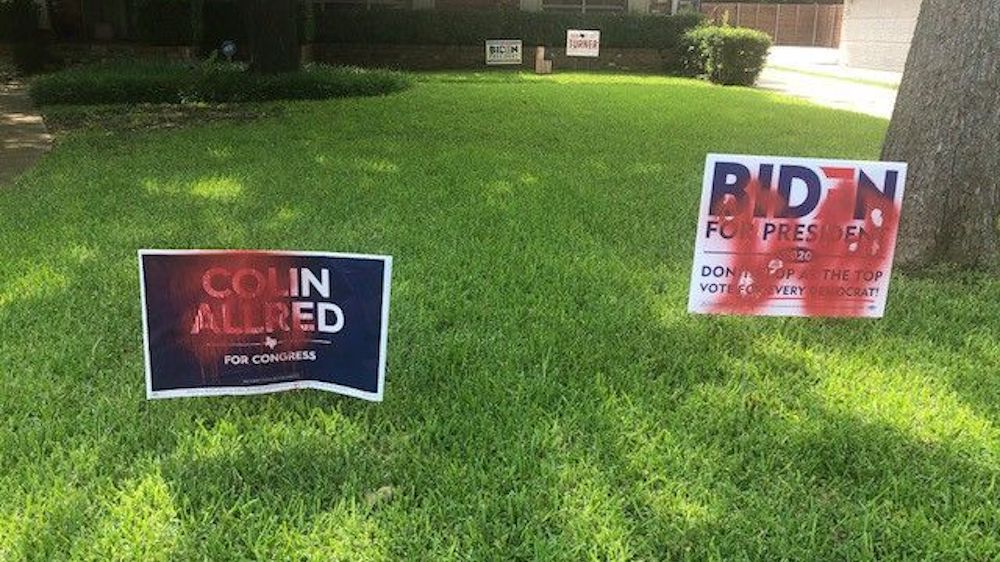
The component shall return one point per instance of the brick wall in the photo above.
(455, 57)
(476, 4)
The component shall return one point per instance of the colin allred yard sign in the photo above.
(247, 322)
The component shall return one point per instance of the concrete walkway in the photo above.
(814, 74)
(22, 131)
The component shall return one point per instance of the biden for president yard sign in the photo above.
(795, 237)
(248, 322)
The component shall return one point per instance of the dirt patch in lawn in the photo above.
(112, 118)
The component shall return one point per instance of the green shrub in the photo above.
(222, 21)
(7, 70)
(725, 55)
(19, 27)
(164, 22)
(30, 57)
(468, 27)
(204, 24)
(163, 82)
(18, 20)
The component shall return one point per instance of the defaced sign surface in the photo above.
(247, 322)
(795, 237)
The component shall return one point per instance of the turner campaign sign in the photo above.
(583, 43)
(795, 237)
(247, 322)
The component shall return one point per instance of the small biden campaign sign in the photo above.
(795, 236)
(248, 322)
(503, 51)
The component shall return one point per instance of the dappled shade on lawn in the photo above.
(547, 397)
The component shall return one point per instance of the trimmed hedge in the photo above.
(468, 27)
(172, 22)
(204, 24)
(725, 55)
(162, 82)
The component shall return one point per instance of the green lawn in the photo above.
(819, 74)
(548, 397)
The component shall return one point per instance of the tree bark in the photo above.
(946, 126)
(273, 35)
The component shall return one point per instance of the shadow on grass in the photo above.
(785, 471)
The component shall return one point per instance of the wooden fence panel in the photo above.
(815, 25)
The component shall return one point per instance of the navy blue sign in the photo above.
(248, 322)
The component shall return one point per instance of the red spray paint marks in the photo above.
(750, 258)
(867, 257)
(833, 274)
(227, 313)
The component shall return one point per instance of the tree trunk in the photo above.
(946, 126)
(273, 35)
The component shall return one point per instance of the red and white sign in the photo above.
(795, 237)
(583, 43)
